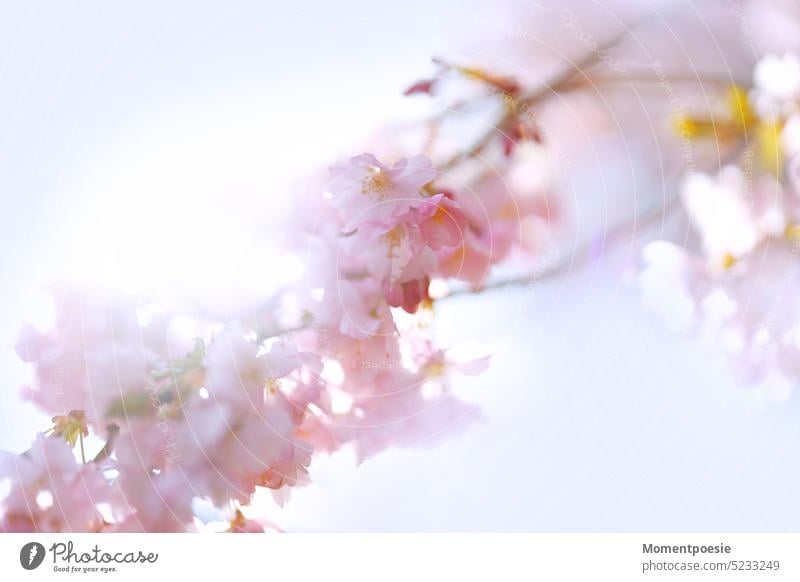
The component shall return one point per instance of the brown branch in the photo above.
(645, 76)
(572, 261)
(585, 253)
(547, 89)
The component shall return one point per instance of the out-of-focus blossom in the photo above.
(93, 357)
(154, 496)
(252, 403)
(777, 85)
(735, 288)
(400, 415)
(469, 261)
(227, 450)
(731, 219)
(50, 492)
(748, 311)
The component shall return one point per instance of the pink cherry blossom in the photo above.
(731, 220)
(365, 190)
(398, 414)
(50, 492)
(154, 495)
(94, 356)
(228, 450)
(343, 354)
(234, 370)
(356, 309)
(470, 261)
(441, 221)
(409, 294)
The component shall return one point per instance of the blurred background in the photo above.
(154, 146)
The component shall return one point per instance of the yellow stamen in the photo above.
(742, 113)
(428, 190)
(770, 149)
(273, 386)
(792, 232)
(436, 369)
(377, 182)
(392, 240)
(728, 261)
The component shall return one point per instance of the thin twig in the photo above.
(83, 453)
(571, 261)
(108, 448)
(547, 89)
(648, 77)
(585, 253)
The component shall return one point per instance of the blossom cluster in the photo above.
(243, 409)
(737, 284)
(345, 356)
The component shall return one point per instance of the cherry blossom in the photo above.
(343, 355)
(734, 288)
(365, 190)
(50, 491)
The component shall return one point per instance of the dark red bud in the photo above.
(425, 86)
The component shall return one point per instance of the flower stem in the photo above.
(83, 453)
(108, 448)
